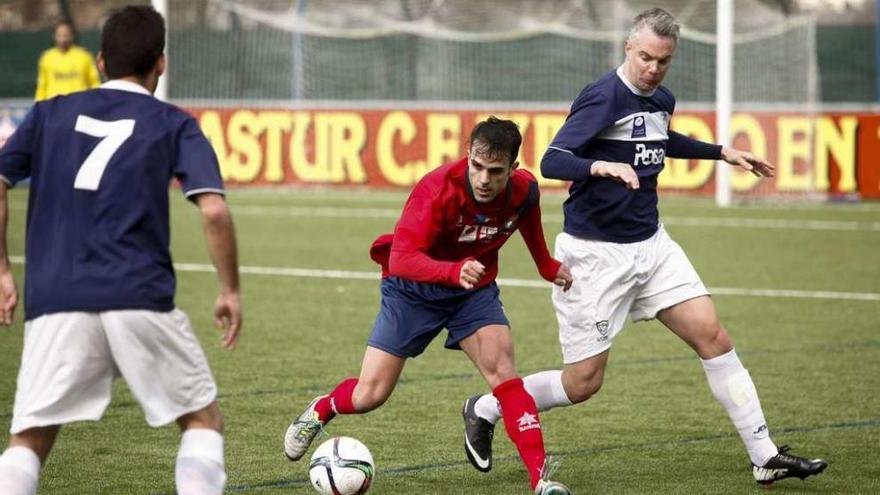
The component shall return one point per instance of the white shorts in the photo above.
(613, 280)
(69, 361)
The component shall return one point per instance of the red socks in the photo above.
(522, 424)
(339, 401)
(517, 407)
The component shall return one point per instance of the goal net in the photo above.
(504, 54)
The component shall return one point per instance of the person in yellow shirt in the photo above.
(65, 68)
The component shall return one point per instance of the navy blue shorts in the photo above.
(413, 313)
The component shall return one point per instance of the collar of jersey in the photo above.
(631, 86)
(121, 85)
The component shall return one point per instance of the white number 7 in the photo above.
(114, 133)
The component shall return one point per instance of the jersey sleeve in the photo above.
(17, 153)
(532, 231)
(196, 165)
(681, 146)
(590, 114)
(416, 231)
(93, 79)
(42, 79)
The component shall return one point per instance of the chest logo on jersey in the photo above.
(647, 155)
(639, 129)
(474, 233)
(66, 75)
(486, 233)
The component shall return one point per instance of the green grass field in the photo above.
(654, 427)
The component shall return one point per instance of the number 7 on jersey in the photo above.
(114, 133)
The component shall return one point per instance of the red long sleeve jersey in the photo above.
(442, 227)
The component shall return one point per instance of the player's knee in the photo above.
(498, 373)
(371, 402)
(369, 396)
(716, 343)
(584, 392)
(722, 339)
(583, 388)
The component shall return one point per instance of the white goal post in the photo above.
(723, 96)
(161, 7)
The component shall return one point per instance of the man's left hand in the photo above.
(754, 164)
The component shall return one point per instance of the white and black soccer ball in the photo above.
(342, 466)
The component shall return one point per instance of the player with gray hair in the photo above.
(612, 148)
(661, 23)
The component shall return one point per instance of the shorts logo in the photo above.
(602, 327)
(639, 130)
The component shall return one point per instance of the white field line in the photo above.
(397, 200)
(506, 282)
(677, 221)
(758, 223)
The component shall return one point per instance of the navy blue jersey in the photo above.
(100, 164)
(612, 120)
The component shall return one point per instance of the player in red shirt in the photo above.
(438, 271)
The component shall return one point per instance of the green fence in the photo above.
(258, 64)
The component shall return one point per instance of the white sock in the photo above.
(200, 469)
(545, 386)
(19, 471)
(732, 386)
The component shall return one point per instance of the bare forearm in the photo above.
(220, 234)
(222, 246)
(4, 216)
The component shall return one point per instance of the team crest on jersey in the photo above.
(510, 225)
(468, 233)
(639, 129)
(474, 233)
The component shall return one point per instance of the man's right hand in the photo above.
(622, 172)
(563, 278)
(228, 317)
(8, 297)
(471, 273)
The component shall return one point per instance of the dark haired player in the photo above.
(99, 283)
(439, 270)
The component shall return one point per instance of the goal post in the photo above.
(723, 96)
(161, 7)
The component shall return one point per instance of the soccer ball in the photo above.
(342, 466)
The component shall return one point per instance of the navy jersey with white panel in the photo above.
(612, 120)
(100, 164)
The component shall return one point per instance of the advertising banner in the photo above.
(835, 153)
(11, 114)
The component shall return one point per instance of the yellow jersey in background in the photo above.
(61, 73)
